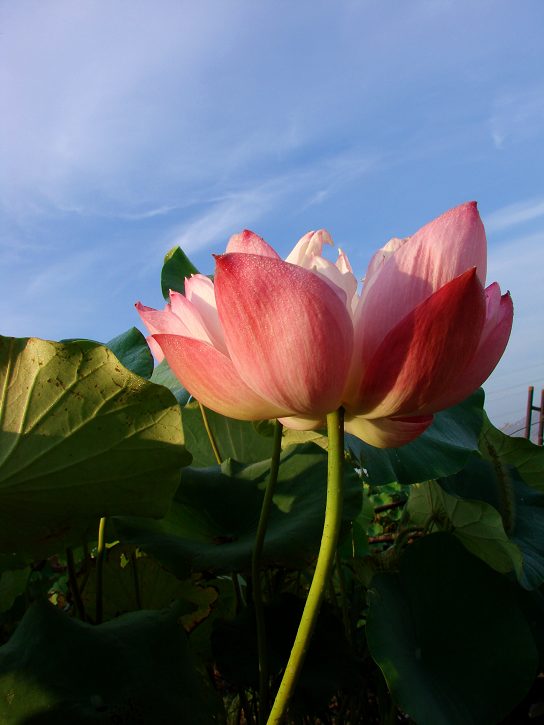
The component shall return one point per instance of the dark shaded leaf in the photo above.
(135, 669)
(520, 506)
(213, 520)
(449, 636)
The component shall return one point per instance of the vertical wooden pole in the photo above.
(529, 413)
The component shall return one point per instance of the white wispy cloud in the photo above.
(514, 214)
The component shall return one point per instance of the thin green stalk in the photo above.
(100, 551)
(136, 579)
(256, 573)
(325, 561)
(217, 455)
(211, 437)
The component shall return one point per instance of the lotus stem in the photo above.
(211, 436)
(256, 573)
(325, 562)
(100, 551)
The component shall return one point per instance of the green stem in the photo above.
(100, 551)
(325, 561)
(256, 574)
(136, 579)
(211, 437)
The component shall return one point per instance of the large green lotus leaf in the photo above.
(238, 439)
(132, 350)
(440, 451)
(520, 506)
(477, 524)
(163, 375)
(80, 437)
(518, 452)
(213, 520)
(133, 581)
(449, 636)
(177, 266)
(134, 669)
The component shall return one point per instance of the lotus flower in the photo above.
(295, 339)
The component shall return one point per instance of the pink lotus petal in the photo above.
(387, 432)
(287, 332)
(493, 341)
(250, 243)
(155, 348)
(212, 379)
(425, 353)
(160, 320)
(189, 316)
(199, 291)
(436, 254)
(308, 247)
(382, 254)
(297, 422)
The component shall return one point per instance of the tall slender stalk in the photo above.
(211, 436)
(325, 561)
(100, 551)
(256, 573)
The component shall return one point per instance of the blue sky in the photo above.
(132, 126)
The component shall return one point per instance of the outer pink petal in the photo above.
(287, 332)
(303, 423)
(211, 378)
(250, 243)
(382, 254)
(493, 341)
(199, 291)
(425, 354)
(387, 432)
(436, 254)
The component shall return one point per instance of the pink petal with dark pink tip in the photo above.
(425, 353)
(250, 243)
(160, 320)
(493, 341)
(212, 379)
(387, 432)
(287, 332)
(436, 254)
